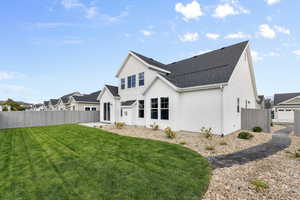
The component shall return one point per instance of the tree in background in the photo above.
(14, 106)
(5, 109)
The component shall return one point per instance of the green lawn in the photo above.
(76, 162)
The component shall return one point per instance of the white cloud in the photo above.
(114, 19)
(189, 37)
(212, 36)
(189, 11)
(6, 75)
(283, 30)
(238, 35)
(269, 18)
(271, 2)
(147, 32)
(231, 8)
(256, 56)
(297, 52)
(273, 54)
(91, 12)
(68, 4)
(266, 31)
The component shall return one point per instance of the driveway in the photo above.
(280, 140)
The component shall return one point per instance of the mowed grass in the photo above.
(76, 162)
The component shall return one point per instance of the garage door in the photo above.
(285, 115)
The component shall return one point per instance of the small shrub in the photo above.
(223, 143)
(297, 154)
(245, 135)
(120, 125)
(257, 129)
(272, 124)
(206, 132)
(210, 148)
(154, 127)
(183, 143)
(259, 184)
(169, 133)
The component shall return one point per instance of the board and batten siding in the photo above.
(239, 86)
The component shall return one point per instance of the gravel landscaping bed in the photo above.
(219, 145)
(280, 172)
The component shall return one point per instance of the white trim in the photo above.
(102, 92)
(130, 53)
(131, 106)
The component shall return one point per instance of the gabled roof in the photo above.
(150, 61)
(46, 103)
(53, 101)
(113, 90)
(279, 98)
(128, 103)
(71, 94)
(88, 98)
(65, 99)
(205, 69)
(261, 98)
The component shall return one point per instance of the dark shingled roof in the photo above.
(88, 98)
(65, 99)
(208, 68)
(278, 98)
(71, 94)
(128, 103)
(53, 101)
(46, 103)
(150, 61)
(113, 90)
(261, 99)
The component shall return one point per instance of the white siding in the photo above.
(157, 90)
(239, 86)
(133, 67)
(200, 109)
(114, 108)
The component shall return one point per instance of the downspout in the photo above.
(222, 110)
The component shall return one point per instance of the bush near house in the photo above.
(169, 133)
(14, 106)
(206, 132)
(259, 184)
(257, 129)
(120, 125)
(245, 135)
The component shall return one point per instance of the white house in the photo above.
(284, 106)
(208, 90)
(87, 102)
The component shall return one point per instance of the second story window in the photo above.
(141, 79)
(133, 80)
(123, 83)
(129, 82)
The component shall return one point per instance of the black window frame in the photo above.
(164, 108)
(87, 109)
(129, 82)
(154, 108)
(142, 79)
(141, 109)
(123, 83)
(133, 81)
(238, 105)
(94, 109)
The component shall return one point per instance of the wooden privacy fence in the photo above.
(297, 123)
(20, 119)
(253, 117)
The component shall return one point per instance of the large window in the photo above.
(129, 81)
(123, 83)
(141, 79)
(141, 108)
(164, 108)
(154, 108)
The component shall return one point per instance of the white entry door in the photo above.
(127, 116)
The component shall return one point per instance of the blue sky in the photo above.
(53, 47)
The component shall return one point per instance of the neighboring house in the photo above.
(8, 107)
(87, 102)
(46, 105)
(38, 107)
(208, 90)
(284, 106)
(52, 104)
